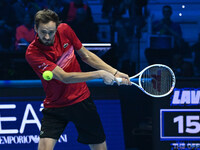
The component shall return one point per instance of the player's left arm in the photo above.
(94, 61)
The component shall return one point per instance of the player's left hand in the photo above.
(125, 78)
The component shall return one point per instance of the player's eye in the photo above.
(43, 32)
(51, 32)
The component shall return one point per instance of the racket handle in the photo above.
(119, 79)
(135, 80)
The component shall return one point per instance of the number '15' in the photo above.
(192, 124)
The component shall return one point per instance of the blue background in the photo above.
(109, 110)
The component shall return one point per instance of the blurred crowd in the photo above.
(127, 19)
(165, 43)
(16, 21)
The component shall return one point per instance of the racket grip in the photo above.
(119, 79)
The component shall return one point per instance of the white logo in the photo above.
(43, 66)
(188, 97)
(41, 132)
(65, 45)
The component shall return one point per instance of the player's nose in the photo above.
(47, 37)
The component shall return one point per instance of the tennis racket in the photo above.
(156, 80)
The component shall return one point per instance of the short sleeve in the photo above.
(72, 37)
(39, 63)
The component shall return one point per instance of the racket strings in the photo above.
(157, 80)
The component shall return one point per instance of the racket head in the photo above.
(157, 80)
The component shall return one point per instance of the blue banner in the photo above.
(20, 126)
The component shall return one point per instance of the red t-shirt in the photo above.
(61, 53)
(25, 33)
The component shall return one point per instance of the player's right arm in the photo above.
(75, 77)
(40, 64)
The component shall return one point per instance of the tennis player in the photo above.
(67, 95)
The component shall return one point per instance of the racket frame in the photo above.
(139, 85)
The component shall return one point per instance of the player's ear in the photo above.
(35, 28)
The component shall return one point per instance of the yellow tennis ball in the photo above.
(47, 75)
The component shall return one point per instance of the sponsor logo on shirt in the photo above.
(65, 45)
(43, 66)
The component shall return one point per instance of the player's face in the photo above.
(46, 32)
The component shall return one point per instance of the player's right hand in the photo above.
(108, 78)
(125, 78)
